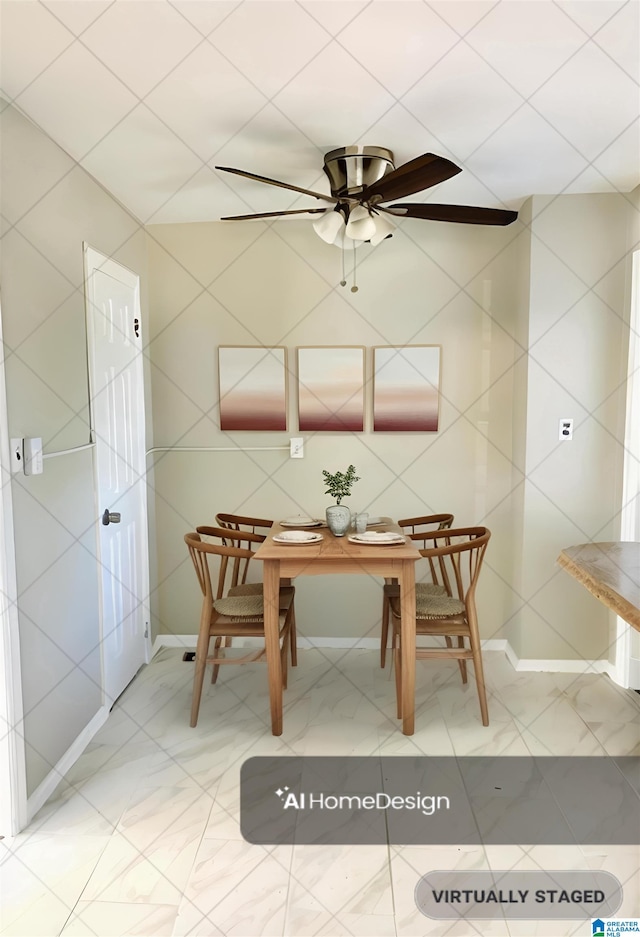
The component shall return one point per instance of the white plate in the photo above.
(301, 522)
(377, 538)
(298, 537)
(376, 535)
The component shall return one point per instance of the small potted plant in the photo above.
(339, 486)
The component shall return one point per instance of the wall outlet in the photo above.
(565, 430)
(297, 447)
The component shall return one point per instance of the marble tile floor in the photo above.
(142, 835)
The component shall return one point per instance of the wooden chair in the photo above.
(254, 525)
(239, 585)
(419, 530)
(459, 555)
(226, 615)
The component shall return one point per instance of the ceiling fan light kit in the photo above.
(384, 229)
(361, 225)
(343, 226)
(329, 226)
(362, 178)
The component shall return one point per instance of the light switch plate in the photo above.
(17, 454)
(297, 447)
(33, 455)
(565, 430)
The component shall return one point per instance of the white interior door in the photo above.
(118, 426)
(13, 781)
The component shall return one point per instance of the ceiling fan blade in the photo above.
(418, 174)
(464, 214)
(281, 185)
(275, 214)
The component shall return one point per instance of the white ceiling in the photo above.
(528, 98)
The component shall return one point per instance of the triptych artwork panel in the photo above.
(406, 390)
(253, 388)
(331, 388)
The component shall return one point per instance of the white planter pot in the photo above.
(338, 519)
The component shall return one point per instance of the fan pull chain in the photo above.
(343, 281)
(354, 288)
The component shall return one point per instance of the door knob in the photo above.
(110, 517)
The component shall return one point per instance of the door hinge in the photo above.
(136, 327)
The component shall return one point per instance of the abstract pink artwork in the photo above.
(331, 389)
(406, 389)
(253, 388)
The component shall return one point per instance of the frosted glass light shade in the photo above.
(360, 226)
(329, 226)
(384, 228)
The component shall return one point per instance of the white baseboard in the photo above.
(373, 644)
(44, 790)
(634, 672)
(187, 641)
(545, 665)
(628, 677)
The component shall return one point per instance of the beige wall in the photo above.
(215, 284)
(50, 206)
(512, 630)
(577, 359)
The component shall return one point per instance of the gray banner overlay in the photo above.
(525, 895)
(423, 800)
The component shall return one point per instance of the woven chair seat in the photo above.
(240, 606)
(256, 589)
(432, 606)
(429, 588)
(438, 606)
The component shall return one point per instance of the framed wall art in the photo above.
(253, 388)
(406, 389)
(331, 389)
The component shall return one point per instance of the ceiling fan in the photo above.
(362, 179)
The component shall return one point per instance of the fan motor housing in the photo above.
(352, 168)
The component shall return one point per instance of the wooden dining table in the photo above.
(340, 556)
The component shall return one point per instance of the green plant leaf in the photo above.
(339, 483)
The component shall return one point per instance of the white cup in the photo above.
(361, 522)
